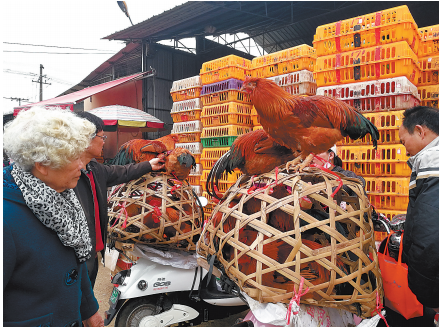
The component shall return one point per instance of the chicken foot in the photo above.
(298, 165)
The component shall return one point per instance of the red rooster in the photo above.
(312, 124)
(254, 153)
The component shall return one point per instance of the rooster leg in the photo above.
(297, 165)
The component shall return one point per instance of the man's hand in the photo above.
(157, 163)
(95, 321)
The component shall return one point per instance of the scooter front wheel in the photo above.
(134, 311)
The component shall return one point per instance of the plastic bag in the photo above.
(110, 258)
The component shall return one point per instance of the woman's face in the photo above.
(325, 156)
(63, 178)
(96, 145)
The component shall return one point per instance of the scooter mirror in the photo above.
(203, 200)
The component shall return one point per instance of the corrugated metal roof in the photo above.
(274, 25)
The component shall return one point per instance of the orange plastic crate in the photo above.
(188, 115)
(376, 169)
(392, 202)
(386, 119)
(428, 77)
(257, 127)
(226, 178)
(227, 130)
(386, 103)
(189, 137)
(255, 117)
(227, 61)
(191, 93)
(227, 119)
(285, 67)
(382, 27)
(391, 213)
(366, 153)
(226, 96)
(428, 48)
(428, 92)
(224, 74)
(388, 185)
(379, 236)
(429, 63)
(429, 32)
(211, 155)
(299, 51)
(227, 108)
(387, 136)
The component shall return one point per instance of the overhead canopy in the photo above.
(274, 25)
(67, 101)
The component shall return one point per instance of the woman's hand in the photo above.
(95, 321)
(157, 163)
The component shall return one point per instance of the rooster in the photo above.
(253, 153)
(311, 124)
(139, 150)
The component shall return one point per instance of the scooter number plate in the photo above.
(114, 297)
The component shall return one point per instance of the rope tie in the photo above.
(378, 310)
(325, 167)
(295, 300)
(123, 209)
(254, 188)
(177, 182)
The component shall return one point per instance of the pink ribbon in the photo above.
(378, 310)
(295, 299)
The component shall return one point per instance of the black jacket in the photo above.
(104, 177)
(421, 229)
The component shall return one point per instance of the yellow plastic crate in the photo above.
(429, 63)
(391, 213)
(430, 41)
(227, 61)
(226, 96)
(211, 155)
(388, 185)
(224, 74)
(187, 94)
(299, 51)
(391, 202)
(285, 67)
(366, 153)
(194, 180)
(429, 32)
(386, 119)
(387, 136)
(188, 115)
(227, 119)
(382, 27)
(376, 169)
(227, 108)
(257, 127)
(428, 77)
(227, 130)
(225, 178)
(429, 95)
(189, 137)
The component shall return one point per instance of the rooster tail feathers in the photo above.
(123, 157)
(221, 165)
(358, 126)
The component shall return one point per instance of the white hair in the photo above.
(50, 136)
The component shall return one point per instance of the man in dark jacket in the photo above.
(91, 189)
(419, 134)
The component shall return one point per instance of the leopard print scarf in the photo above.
(60, 212)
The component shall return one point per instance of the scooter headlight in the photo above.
(142, 285)
(120, 277)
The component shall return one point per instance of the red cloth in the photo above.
(99, 240)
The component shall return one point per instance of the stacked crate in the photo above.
(292, 69)
(371, 63)
(428, 55)
(226, 114)
(187, 125)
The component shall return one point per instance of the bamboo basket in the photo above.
(171, 197)
(312, 193)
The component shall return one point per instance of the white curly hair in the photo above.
(50, 136)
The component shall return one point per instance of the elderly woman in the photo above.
(45, 234)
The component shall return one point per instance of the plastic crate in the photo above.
(394, 202)
(299, 51)
(428, 92)
(229, 84)
(227, 130)
(429, 63)
(301, 89)
(224, 74)
(228, 119)
(377, 169)
(378, 104)
(225, 178)
(189, 137)
(387, 136)
(428, 77)
(194, 180)
(386, 119)
(376, 88)
(210, 156)
(227, 61)
(197, 189)
(186, 83)
(226, 96)
(194, 92)
(293, 78)
(380, 236)
(193, 147)
(382, 27)
(255, 117)
(389, 185)
(429, 32)
(227, 108)
(214, 142)
(391, 213)
(187, 127)
(429, 48)
(191, 104)
(366, 153)
(284, 67)
(184, 116)
(257, 127)
(196, 171)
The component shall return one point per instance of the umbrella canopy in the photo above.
(126, 116)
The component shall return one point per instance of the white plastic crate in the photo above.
(197, 189)
(377, 88)
(301, 76)
(186, 105)
(194, 148)
(196, 171)
(187, 127)
(186, 83)
(306, 88)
